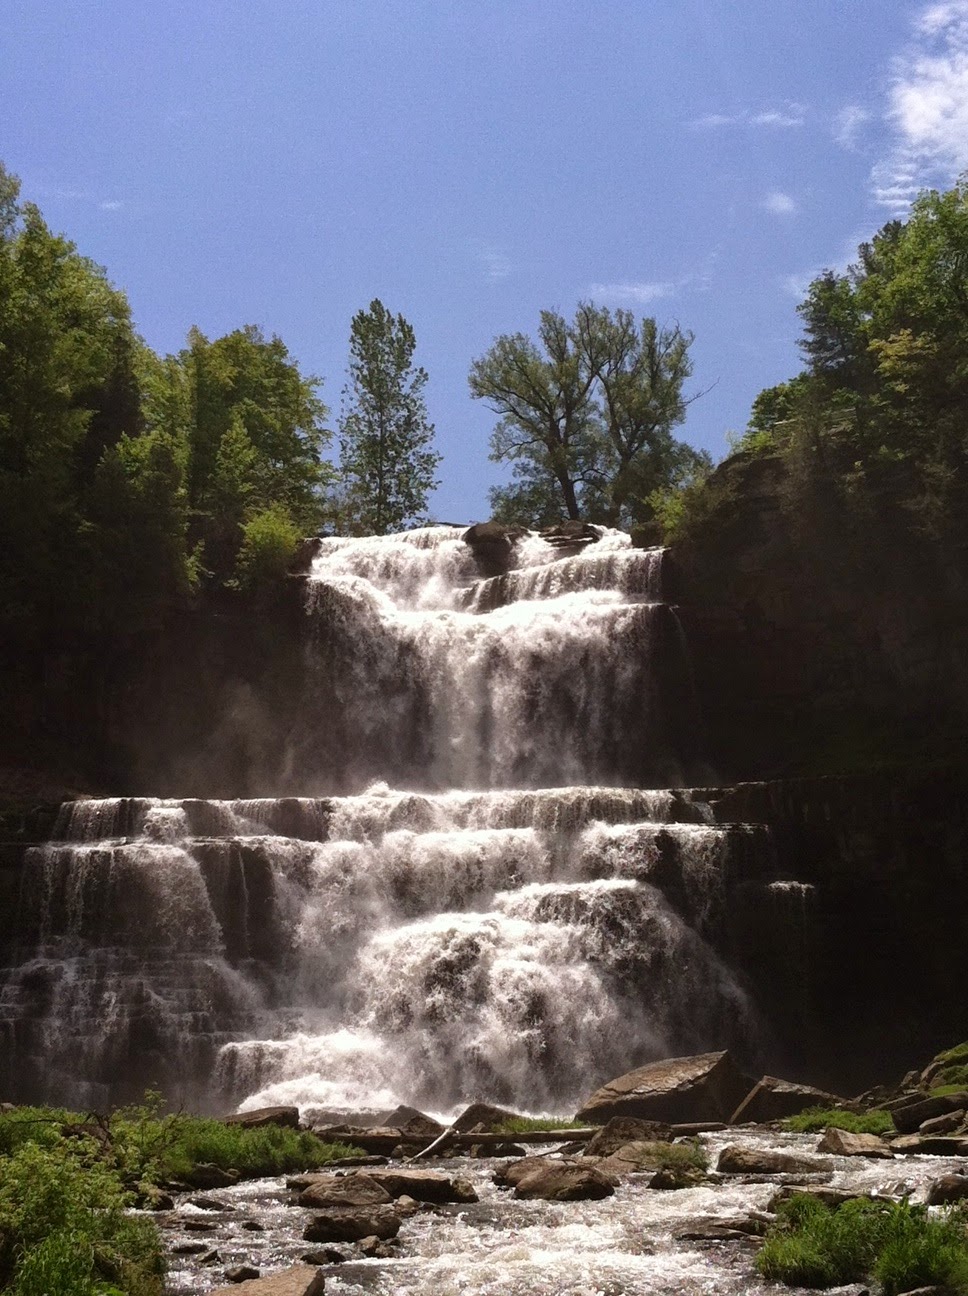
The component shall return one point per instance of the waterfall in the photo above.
(489, 914)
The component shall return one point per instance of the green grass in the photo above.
(955, 1055)
(898, 1245)
(64, 1231)
(950, 1079)
(67, 1181)
(536, 1124)
(815, 1119)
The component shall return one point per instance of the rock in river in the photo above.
(707, 1087)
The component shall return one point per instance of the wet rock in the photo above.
(188, 1248)
(764, 1161)
(510, 1175)
(323, 1256)
(211, 1257)
(563, 1182)
(492, 543)
(406, 1206)
(197, 1225)
(241, 1273)
(498, 1150)
(949, 1188)
(735, 1228)
(252, 1226)
(351, 1224)
(708, 1086)
(287, 1117)
(840, 1142)
(772, 1099)
(621, 1130)
(375, 1249)
(424, 1185)
(930, 1145)
(210, 1204)
(345, 1190)
(300, 1280)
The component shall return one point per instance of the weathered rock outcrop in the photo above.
(706, 1087)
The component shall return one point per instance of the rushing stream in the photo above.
(626, 1245)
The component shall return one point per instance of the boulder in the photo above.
(241, 1273)
(632, 1158)
(945, 1124)
(482, 1117)
(287, 1117)
(706, 1087)
(508, 1176)
(498, 1150)
(209, 1204)
(344, 1190)
(352, 1224)
(821, 1192)
(300, 1280)
(561, 1181)
(408, 1120)
(840, 1142)
(772, 1099)
(624, 1129)
(911, 1111)
(949, 1188)
(764, 1161)
(493, 545)
(424, 1185)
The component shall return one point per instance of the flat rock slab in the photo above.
(558, 1181)
(707, 1086)
(622, 1130)
(423, 1185)
(352, 1224)
(756, 1161)
(772, 1099)
(300, 1280)
(286, 1117)
(840, 1142)
(344, 1190)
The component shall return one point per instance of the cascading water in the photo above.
(512, 925)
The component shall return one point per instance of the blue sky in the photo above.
(472, 162)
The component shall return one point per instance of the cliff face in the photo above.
(828, 634)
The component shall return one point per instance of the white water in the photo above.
(515, 927)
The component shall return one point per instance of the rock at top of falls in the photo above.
(513, 926)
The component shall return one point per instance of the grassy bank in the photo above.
(67, 1182)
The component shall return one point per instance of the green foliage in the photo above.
(821, 1118)
(900, 1245)
(386, 455)
(269, 541)
(587, 415)
(954, 1056)
(63, 1230)
(535, 1124)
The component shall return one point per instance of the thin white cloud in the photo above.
(848, 126)
(791, 114)
(111, 205)
(779, 204)
(927, 108)
(637, 291)
(493, 260)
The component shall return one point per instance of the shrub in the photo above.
(269, 541)
(821, 1118)
(901, 1246)
(64, 1231)
(535, 1124)
(951, 1079)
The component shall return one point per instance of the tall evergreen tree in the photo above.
(386, 439)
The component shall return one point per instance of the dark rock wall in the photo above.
(828, 634)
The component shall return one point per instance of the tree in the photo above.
(587, 415)
(386, 438)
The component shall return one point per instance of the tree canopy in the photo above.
(587, 415)
(387, 459)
